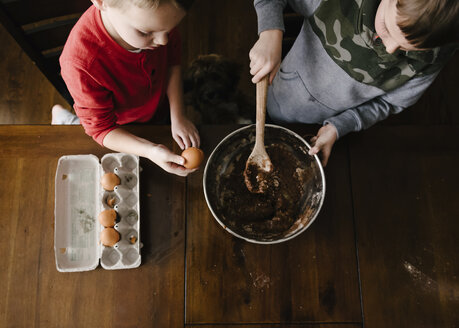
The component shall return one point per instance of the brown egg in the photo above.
(109, 181)
(107, 218)
(109, 237)
(193, 157)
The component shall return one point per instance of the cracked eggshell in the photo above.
(109, 181)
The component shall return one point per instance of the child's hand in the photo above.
(169, 161)
(265, 56)
(323, 142)
(184, 132)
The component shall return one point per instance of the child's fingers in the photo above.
(313, 140)
(193, 135)
(256, 64)
(318, 144)
(195, 141)
(187, 142)
(180, 170)
(314, 150)
(253, 54)
(325, 153)
(256, 79)
(179, 141)
(176, 159)
(256, 68)
(261, 74)
(321, 145)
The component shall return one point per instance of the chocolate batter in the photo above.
(271, 213)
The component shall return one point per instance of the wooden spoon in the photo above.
(259, 166)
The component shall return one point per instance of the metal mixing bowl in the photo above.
(238, 141)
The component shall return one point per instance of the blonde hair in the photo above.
(150, 4)
(429, 23)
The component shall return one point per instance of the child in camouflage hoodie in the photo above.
(354, 63)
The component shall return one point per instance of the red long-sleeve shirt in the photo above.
(110, 85)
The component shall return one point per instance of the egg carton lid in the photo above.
(77, 205)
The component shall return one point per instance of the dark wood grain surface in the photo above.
(332, 325)
(405, 191)
(391, 191)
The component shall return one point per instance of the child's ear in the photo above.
(99, 4)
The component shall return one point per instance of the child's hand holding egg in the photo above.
(193, 157)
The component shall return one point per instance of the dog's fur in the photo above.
(211, 93)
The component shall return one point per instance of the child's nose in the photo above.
(391, 46)
(161, 39)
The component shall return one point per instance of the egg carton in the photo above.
(79, 198)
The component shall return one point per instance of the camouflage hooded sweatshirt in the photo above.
(337, 71)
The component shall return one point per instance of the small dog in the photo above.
(210, 88)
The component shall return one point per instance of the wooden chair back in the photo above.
(41, 28)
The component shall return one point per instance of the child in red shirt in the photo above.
(119, 63)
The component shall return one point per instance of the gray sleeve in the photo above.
(269, 14)
(379, 108)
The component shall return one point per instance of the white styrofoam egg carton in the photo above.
(79, 198)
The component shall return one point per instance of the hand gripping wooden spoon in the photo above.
(259, 166)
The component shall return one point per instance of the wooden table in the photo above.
(381, 253)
